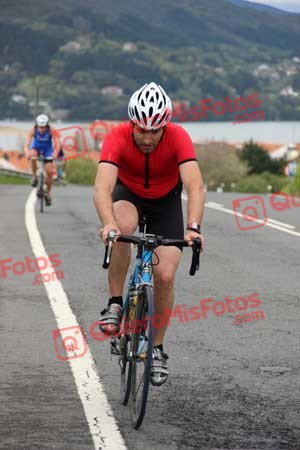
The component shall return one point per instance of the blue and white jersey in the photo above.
(43, 141)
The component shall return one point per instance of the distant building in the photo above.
(112, 90)
(292, 70)
(219, 70)
(129, 47)
(289, 92)
(71, 46)
(265, 71)
(19, 99)
(60, 114)
(285, 151)
(44, 104)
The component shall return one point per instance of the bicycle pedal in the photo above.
(114, 347)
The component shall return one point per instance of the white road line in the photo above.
(235, 213)
(100, 419)
(286, 225)
(217, 205)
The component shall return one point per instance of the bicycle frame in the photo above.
(41, 161)
(141, 275)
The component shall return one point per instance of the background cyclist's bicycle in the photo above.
(41, 177)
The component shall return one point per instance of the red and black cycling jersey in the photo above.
(149, 175)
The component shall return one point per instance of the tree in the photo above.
(220, 165)
(258, 159)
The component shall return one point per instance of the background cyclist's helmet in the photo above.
(42, 120)
(150, 107)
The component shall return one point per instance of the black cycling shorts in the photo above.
(164, 215)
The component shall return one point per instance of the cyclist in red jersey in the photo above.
(142, 168)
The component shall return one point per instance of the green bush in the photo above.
(261, 183)
(296, 181)
(252, 184)
(278, 182)
(220, 165)
(293, 187)
(81, 171)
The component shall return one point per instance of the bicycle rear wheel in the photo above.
(125, 364)
(41, 192)
(141, 353)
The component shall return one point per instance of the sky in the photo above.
(287, 5)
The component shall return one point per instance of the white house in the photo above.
(284, 152)
(112, 90)
(289, 92)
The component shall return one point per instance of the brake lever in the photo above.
(196, 256)
(108, 249)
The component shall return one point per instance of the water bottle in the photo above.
(133, 296)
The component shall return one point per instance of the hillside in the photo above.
(258, 6)
(75, 49)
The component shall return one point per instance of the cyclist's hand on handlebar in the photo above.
(106, 229)
(190, 235)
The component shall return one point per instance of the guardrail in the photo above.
(58, 181)
(15, 172)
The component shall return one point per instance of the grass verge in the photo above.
(13, 179)
(81, 171)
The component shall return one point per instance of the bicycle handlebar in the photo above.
(153, 241)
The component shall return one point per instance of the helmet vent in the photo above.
(144, 118)
(155, 119)
(150, 107)
(136, 112)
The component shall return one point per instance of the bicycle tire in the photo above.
(125, 364)
(41, 190)
(141, 336)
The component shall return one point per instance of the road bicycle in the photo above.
(133, 344)
(41, 177)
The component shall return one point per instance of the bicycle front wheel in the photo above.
(125, 364)
(141, 354)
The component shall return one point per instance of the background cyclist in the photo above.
(142, 166)
(41, 142)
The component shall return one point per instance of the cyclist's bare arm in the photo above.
(105, 182)
(28, 142)
(55, 141)
(193, 183)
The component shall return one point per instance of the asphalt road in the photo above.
(234, 380)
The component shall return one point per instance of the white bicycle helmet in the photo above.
(150, 107)
(42, 120)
